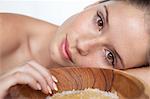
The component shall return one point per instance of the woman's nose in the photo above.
(85, 45)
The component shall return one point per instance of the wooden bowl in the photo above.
(69, 78)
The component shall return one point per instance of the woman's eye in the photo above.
(100, 21)
(110, 57)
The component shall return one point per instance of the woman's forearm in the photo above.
(142, 74)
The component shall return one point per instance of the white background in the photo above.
(54, 11)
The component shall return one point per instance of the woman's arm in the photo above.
(143, 74)
(32, 74)
(14, 32)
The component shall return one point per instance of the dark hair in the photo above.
(144, 5)
(148, 55)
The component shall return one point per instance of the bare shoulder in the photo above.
(15, 32)
(17, 23)
(15, 29)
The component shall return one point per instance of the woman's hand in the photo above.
(32, 74)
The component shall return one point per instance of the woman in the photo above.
(107, 34)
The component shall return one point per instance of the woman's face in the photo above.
(104, 35)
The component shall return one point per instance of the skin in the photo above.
(36, 44)
(87, 44)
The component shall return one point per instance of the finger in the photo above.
(37, 76)
(54, 78)
(45, 73)
(23, 78)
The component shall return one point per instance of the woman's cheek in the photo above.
(92, 61)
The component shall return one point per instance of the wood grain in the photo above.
(70, 78)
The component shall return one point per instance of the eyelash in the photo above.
(112, 60)
(100, 20)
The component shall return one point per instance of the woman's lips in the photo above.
(64, 49)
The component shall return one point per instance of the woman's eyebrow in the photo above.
(119, 58)
(102, 1)
(107, 14)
